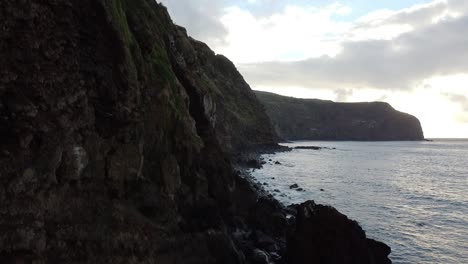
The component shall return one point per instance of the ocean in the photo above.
(412, 196)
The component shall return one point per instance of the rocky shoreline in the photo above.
(314, 233)
(119, 136)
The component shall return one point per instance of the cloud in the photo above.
(462, 100)
(200, 17)
(342, 95)
(295, 32)
(382, 98)
(203, 18)
(458, 99)
(432, 47)
(462, 118)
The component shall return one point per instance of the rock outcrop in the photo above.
(312, 119)
(233, 110)
(323, 235)
(115, 129)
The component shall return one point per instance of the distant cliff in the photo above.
(312, 119)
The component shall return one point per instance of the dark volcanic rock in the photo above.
(233, 110)
(111, 120)
(294, 186)
(312, 119)
(260, 257)
(308, 147)
(116, 132)
(254, 163)
(323, 235)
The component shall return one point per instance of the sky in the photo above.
(412, 54)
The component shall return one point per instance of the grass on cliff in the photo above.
(144, 28)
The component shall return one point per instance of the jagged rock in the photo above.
(232, 108)
(254, 163)
(265, 241)
(260, 257)
(323, 235)
(294, 186)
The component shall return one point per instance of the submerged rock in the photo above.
(294, 186)
(308, 147)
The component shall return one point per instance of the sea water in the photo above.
(411, 195)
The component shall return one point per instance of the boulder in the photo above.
(294, 186)
(260, 257)
(323, 235)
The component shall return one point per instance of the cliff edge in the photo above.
(313, 119)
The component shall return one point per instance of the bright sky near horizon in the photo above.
(412, 54)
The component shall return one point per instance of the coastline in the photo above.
(313, 232)
(401, 193)
(122, 155)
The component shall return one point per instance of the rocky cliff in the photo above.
(312, 119)
(115, 129)
(233, 110)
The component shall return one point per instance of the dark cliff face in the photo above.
(311, 119)
(108, 152)
(233, 110)
(114, 131)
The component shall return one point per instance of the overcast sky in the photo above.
(412, 54)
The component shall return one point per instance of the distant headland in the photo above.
(313, 119)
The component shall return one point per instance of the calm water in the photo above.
(411, 195)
